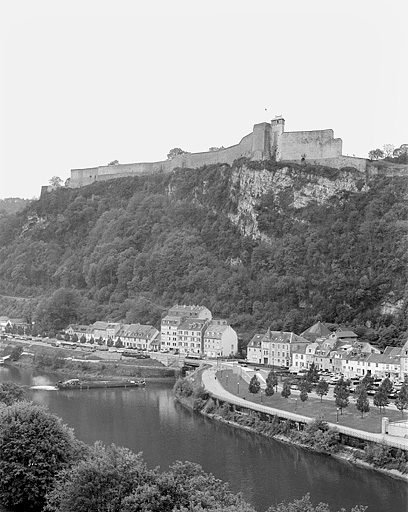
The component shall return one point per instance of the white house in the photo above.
(220, 339)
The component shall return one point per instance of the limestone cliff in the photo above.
(294, 188)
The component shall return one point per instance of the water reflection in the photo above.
(265, 471)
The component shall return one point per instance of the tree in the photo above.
(305, 505)
(75, 337)
(114, 162)
(286, 392)
(313, 374)
(368, 381)
(119, 343)
(386, 386)
(271, 382)
(303, 394)
(341, 393)
(401, 402)
(380, 399)
(16, 353)
(114, 478)
(82, 339)
(174, 152)
(388, 150)
(215, 148)
(322, 388)
(254, 385)
(34, 446)
(11, 393)
(375, 154)
(59, 310)
(363, 404)
(305, 384)
(401, 154)
(55, 181)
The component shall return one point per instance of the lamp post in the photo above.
(337, 418)
(295, 404)
(261, 395)
(238, 386)
(226, 379)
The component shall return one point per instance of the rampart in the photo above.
(267, 140)
(314, 145)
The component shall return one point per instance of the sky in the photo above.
(86, 82)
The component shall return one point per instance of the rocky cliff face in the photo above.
(292, 188)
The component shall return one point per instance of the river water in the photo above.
(265, 471)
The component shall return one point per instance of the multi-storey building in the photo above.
(274, 348)
(190, 334)
(171, 340)
(220, 339)
(168, 332)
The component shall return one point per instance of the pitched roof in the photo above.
(183, 310)
(256, 341)
(137, 330)
(284, 337)
(317, 330)
(343, 333)
(100, 325)
(215, 330)
(191, 324)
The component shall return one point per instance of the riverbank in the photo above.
(85, 365)
(316, 437)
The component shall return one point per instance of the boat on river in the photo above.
(90, 384)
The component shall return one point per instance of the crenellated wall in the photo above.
(267, 140)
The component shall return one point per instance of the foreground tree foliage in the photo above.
(114, 478)
(11, 393)
(34, 446)
(305, 505)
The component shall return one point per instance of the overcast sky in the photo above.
(83, 83)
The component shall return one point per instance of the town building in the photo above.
(137, 336)
(180, 319)
(220, 339)
(190, 335)
(274, 348)
(404, 361)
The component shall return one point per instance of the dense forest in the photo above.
(260, 243)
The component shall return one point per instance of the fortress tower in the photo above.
(277, 128)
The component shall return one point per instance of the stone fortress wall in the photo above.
(267, 140)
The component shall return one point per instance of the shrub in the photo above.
(183, 387)
(377, 455)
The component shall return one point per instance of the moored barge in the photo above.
(91, 384)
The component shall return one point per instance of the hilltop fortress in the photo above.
(267, 141)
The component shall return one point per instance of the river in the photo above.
(265, 471)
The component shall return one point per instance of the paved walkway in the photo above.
(214, 386)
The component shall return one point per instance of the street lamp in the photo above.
(227, 379)
(295, 404)
(261, 395)
(238, 386)
(337, 411)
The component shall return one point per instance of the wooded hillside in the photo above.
(129, 248)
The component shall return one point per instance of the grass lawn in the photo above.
(313, 408)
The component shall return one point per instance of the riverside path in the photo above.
(216, 389)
